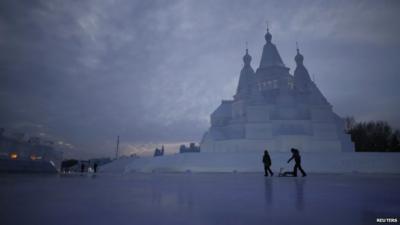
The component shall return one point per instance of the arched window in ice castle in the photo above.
(268, 85)
(262, 86)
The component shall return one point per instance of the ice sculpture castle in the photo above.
(275, 110)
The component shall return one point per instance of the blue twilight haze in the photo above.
(83, 72)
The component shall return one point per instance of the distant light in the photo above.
(14, 155)
(34, 157)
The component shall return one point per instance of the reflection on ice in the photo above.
(294, 194)
(299, 185)
(199, 198)
(268, 191)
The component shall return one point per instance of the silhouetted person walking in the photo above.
(82, 168)
(267, 163)
(297, 160)
(95, 167)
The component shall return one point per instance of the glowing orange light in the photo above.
(14, 155)
(34, 157)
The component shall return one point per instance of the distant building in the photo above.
(159, 152)
(192, 148)
(19, 153)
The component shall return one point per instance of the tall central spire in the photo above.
(270, 55)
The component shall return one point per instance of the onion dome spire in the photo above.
(246, 79)
(268, 36)
(302, 79)
(247, 57)
(299, 57)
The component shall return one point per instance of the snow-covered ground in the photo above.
(197, 198)
(316, 162)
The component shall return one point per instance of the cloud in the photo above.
(153, 71)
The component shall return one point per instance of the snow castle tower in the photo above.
(275, 110)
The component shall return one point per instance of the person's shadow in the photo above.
(299, 186)
(268, 190)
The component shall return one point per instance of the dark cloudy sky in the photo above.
(83, 72)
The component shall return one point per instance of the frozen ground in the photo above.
(203, 198)
(315, 162)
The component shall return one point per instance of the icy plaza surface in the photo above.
(197, 198)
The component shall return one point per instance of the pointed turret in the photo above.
(299, 58)
(246, 78)
(247, 58)
(303, 83)
(302, 79)
(270, 55)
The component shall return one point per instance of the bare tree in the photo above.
(349, 123)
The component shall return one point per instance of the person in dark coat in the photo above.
(95, 167)
(297, 159)
(267, 164)
(82, 167)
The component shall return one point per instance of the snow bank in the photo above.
(251, 162)
(116, 165)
